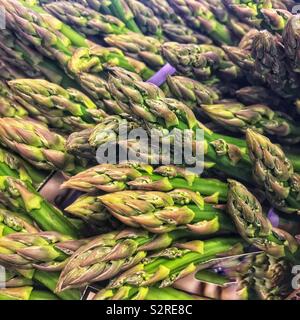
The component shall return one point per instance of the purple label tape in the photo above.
(161, 76)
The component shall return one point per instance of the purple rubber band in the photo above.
(161, 76)
(273, 217)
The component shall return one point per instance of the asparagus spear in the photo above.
(14, 166)
(120, 9)
(273, 171)
(85, 20)
(173, 26)
(199, 61)
(139, 47)
(254, 227)
(260, 14)
(65, 109)
(144, 17)
(270, 61)
(25, 293)
(192, 92)
(158, 212)
(35, 143)
(16, 196)
(47, 251)
(290, 39)
(21, 55)
(250, 95)
(113, 178)
(8, 106)
(165, 267)
(169, 294)
(109, 254)
(183, 34)
(237, 117)
(270, 277)
(199, 16)
(9, 72)
(163, 10)
(95, 4)
(11, 221)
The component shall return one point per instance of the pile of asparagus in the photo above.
(75, 75)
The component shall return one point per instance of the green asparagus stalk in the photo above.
(258, 95)
(243, 59)
(139, 47)
(16, 222)
(290, 39)
(268, 276)
(65, 109)
(275, 19)
(16, 280)
(25, 293)
(37, 144)
(163, 10)
(157, 212)
(144, 17)
(114, 178)
(173, 26)
(120, 9)
(165, 267)
(183, 34)
(273, 171)
(21, 55)
(46, 251)
(192, 92)
(22, 287)
(16, 196)
(260, 14)
(50, 280)
(270, 62)
(85, 20)
(199, 16)
(167, 211)
(169, 294)
(14, 166)
(109, 254)
(9, 72)
(89, 209)
(237, 117)
(98, 5)
(8, 106)
(254, 227)
(199, 61)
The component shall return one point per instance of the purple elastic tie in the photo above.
(160, 77)
(273, 217)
